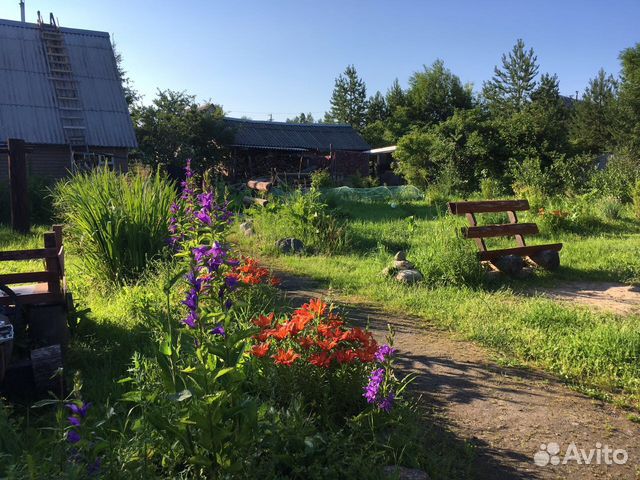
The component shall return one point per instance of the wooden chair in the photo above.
(43, 287)
(513, 228)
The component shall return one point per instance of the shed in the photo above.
(266, 148)
(62, 94)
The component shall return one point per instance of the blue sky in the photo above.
(281, 57)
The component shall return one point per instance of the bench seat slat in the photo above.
(521, 251)
(461, 208)
(505, 230)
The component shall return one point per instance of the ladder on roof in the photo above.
(65, 86)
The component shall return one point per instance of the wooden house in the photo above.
(60, 91)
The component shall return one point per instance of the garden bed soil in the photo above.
(505, 414)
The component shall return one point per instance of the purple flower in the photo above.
(228, 304)
(387, 403)
(80, 410)
(206, 201)
(94, 468)
(187, 169)
(174, 209)
(231, 282)
(74, 421)
(384, 351)
(192, 320)
(191, 302)
(203, 217)
(73, 436)
(373, 387)
(219, 330)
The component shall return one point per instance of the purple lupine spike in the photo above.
(219, 330)
(372, 389)
(384, 351)
(387, 403)
(73, 436)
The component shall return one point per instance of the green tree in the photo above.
(435, 93)
(395, 97)
(593, 119)
(377, 108)
(629, 104)
(302, 118)
(512, 84)
(349, 99)
(174, 128)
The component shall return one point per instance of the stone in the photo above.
(401, 255)
(247, 229)
(526, 272)
(403, 265)
(408, 276)
(404, 473)
(290, 245)
(493, 276)
(509, 264)
(547, 259)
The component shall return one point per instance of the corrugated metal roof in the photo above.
(295, 136)
(27, 98)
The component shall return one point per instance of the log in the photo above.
(262, 186)
(255, 201)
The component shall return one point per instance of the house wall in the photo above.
(54, 161)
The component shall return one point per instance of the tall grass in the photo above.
(117, 222)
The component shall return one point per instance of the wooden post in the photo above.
(52, 262)
(20, 218)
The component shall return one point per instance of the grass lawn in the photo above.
(598, 353)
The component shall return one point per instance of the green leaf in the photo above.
(181, 396)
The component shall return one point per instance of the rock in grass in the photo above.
(547, 259)
(492, 276)
(404, 473)
(526, 272)
(401, 255)
(408, 276)
(247, 228)
(403, 265)
(509, 264)
(290, 245)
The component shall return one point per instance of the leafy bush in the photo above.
(573, 174)
(117, 222)
(490, 188)
(610, 208)
(321, 179)
(636, 199)
(618, 177)
(304, 216)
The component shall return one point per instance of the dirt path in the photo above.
(506, 413)
(606, 296)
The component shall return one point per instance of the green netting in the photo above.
(376, 194)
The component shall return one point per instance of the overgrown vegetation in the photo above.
(117, 222)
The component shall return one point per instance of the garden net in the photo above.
(376, 194)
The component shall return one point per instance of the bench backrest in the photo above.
(513, 228)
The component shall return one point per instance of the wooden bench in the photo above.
(539, 254)
(44, 287)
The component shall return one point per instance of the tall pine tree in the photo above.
(349, 99)
(512, 85)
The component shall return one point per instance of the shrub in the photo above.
(321, 179)
(610, 208)
(490, 188)
(304, 216)
(117, 222)
(618, 177)
(574, 174)
(636, 199)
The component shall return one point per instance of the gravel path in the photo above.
(506, 413)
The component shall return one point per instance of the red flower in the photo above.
(260, 350)
(264, 321)
(306, 342)
(285, 357)
(281, 331)
(275, 282)
(346, 356)
(327, 344)
(322, 359)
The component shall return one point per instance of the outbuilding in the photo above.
(61, 92)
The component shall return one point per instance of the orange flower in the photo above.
(316, 306)
(275, 281)
(285, 357)
(282, 331)
(346, 356)
(327, 344)
(322, 359)
(306, 342)
(301, 319)
(264, 321)
(260, 350)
